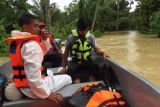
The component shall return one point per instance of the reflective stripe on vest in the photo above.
(81, 51)
(19, 76)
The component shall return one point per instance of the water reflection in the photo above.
(132, 48)
(136, 51)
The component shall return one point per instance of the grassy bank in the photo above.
(3, 59)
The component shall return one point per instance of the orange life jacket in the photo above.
(96, 95)
(16, 42)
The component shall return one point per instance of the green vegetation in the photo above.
(105, 15)
(147, 16)
(3, 45)
(154, 23)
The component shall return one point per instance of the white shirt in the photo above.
(32, 55)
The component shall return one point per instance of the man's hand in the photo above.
(57, 98)
(105, 55)
(44, 34)
(101, 53)
(63, 70)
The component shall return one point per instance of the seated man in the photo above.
(79, 45)
(26, 56)
(53, 56)
(47, 36)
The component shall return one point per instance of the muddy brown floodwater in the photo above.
(139, 52)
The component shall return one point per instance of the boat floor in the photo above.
(136, 90)
(67, 92)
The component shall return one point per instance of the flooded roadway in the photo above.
(139, 52)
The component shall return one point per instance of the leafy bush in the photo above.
(62, 32)
(155, 22)
(97, 33)
(3, 44)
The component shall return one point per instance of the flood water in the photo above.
(141, 53)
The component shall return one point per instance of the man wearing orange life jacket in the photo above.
(26, 54)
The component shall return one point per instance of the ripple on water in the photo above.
(136, 51)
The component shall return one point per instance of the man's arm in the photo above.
(97, 50)
(66, 53)
(54, 44)
(65, 61)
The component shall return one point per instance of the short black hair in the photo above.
(26, 19)
(83, 23)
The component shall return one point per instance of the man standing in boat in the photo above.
(26, 56)
(79, 45)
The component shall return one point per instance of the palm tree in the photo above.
(95, 15)
(46, 8)
(117, 23)
(38, 9)
(100, 6)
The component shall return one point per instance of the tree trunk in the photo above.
(83, 9)
(95, 16)
(46, 5)
(117, 25)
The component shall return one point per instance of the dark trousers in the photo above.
(83, 70)
(52, 60)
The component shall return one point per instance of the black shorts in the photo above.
(54, 60)
(88, 68)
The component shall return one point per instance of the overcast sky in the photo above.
(133, 5)
(62, 3)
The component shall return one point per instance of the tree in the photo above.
(38, 9)
(111, 18)
(55, 13)
(144, 11)
(3, 44)
(95, 15)
(117, 24)
(10, 11)
(46, 7)
(155, 23)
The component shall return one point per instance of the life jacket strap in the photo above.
(18, 68)
(20, 77)
(117, 100)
